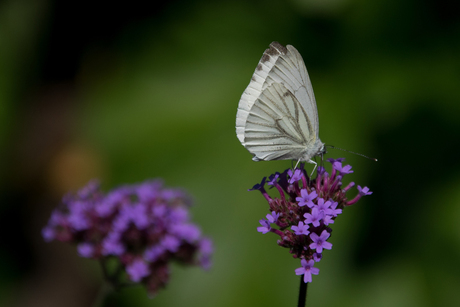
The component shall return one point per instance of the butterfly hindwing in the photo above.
(277, 126)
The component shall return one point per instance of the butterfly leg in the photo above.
(295, 165)
(314, 168)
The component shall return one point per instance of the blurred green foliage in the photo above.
(157, 97)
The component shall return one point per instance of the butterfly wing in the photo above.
(277, 127)
(290, 70)
(283, 66)
(256, 86)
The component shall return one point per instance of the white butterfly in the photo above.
(277, 117)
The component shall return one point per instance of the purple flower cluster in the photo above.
(144, 226)
(305, 209)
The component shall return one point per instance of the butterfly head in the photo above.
(316, 149)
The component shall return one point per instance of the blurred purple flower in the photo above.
(48, 234)
(152, 253)
(188, 232)
(206, 249)
(112, 245)
(85, 250)
(137, 270)
(144, 226)
(171, 243)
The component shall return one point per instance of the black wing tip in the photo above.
(276, 49)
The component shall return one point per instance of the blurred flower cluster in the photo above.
(305, 209)
(143, 226)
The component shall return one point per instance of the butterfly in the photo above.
(277, 118)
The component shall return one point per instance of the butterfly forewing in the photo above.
(255, 87)
(290, 71)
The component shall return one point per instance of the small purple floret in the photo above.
(323, 205)
(307, 270)
(364, 191)
(259, 186)
(314, 217)
(342, 170)
(317, 257)
(273, 217)
(331, 160)
(265, 226)
(319, 242)
(273, 179)
(332, 210)
(321, 170)
(306, 199)
(301, 229)
(296, 176)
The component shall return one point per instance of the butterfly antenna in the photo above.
(352, 152)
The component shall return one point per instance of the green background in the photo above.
(136, 91)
